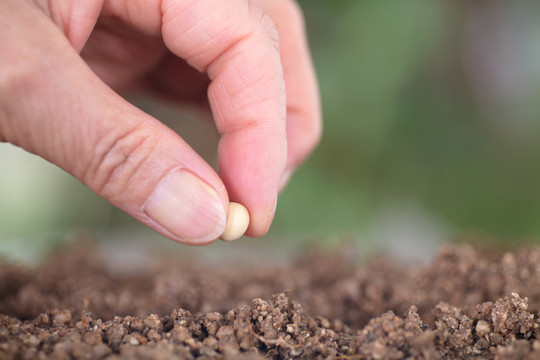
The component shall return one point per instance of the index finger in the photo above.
(237, 45)
(304, 120)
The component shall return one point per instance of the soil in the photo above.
(320, 306)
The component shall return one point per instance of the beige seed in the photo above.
(237, 222)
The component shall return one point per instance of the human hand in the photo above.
(60, 61)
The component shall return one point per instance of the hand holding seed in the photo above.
(61, 66)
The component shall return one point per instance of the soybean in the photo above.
(237, 222)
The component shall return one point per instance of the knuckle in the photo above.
(264, 24)
(118, 158)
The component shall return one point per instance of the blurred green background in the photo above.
(432, 134)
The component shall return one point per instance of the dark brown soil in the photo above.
(464, 305)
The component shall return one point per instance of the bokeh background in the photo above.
(432, 134)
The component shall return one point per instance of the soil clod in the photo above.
(463, 305)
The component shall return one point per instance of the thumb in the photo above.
(53, 105)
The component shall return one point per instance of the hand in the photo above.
(60, 61)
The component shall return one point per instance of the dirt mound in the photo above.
(464, 304)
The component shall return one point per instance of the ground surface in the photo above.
(464, 304)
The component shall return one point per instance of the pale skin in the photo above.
(63, 64)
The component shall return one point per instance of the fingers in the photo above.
(137, 163)
(164, 81)
(51, 104)
(304, 122)
(112, 48)
(237, 45)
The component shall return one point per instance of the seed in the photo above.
(237, 222)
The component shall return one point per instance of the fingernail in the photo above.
(188, 207)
